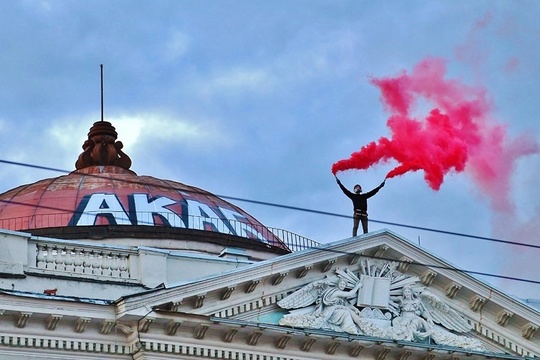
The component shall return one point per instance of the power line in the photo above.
(471, 272)
(311, 211)
(289, 207)
(441, 267)
(383, 222)
(34, 166)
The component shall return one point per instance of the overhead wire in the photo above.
(310, 211)
(289, 207)
(345, 253)
(440, 267)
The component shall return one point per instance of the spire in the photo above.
(101, 148)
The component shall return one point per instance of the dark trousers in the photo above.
(356, 221)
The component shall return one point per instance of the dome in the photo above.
(104, 198)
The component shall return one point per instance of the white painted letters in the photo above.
(103, 208)
(145, 209)
(106, 205)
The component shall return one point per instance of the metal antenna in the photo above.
(101, 65)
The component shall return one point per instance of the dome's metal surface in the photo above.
(104, 192)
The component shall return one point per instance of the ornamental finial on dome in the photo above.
(101, 148)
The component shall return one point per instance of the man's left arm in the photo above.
(376, 190)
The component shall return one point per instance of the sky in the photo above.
(257, 100)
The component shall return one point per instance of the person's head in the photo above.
(357, 189)
(342, 284)
(407, 292)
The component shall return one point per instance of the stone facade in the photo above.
(245, 312)
(104, 264)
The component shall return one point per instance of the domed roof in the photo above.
(104, 192)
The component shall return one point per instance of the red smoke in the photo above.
(457, 133)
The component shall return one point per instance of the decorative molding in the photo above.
(404, 264)
(355, 257)
(405, 355)
(52, 322)
(340, 346)
(307, 344)
(381, 355)
(81, 262)
(427, 277)
(81, 323)
(280, 278)
(355, 350)
(101, 148)
(331, 347)
(200, 331)
(328, 265)
(477, 302)
(228, 292)
(144, 324)
(199, 301)
(252, 285)
(256, 304)
(429, 357)
(172, 327)
(282, 341)
(22, 319)
(176, 305)
(528, 330)
(452, 289)
(254, 337)
(30, 343)
(229, 335)
(189, 351)
(106, 326)
(503, 316)
(381, 251)
(303, 272)
(377, 285)
(126, 329)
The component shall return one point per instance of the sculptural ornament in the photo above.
(380, 302)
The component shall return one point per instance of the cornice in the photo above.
(323, 259)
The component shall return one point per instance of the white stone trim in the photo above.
(249, 306)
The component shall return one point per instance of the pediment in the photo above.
(289, 291)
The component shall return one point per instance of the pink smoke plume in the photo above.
(458, 133)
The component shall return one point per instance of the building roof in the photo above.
(103, 191)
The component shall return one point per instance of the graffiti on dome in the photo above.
(187, 212)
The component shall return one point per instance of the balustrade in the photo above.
(79, 260)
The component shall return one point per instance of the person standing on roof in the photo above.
(359, 200)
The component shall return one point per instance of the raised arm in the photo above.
(376, 190)
(343, 188)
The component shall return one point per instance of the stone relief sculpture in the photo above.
(380, 302)
(333, 309)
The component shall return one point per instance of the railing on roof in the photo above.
(294, 241)
(83, 261)
(243, 228)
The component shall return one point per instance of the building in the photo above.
(104, 264)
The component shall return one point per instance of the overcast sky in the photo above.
(257, 100)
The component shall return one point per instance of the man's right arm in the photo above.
(343, 188)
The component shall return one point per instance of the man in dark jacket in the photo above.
(359, 200)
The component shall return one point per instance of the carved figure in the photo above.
(413, 313)
(333, 310)
(410, 324)
(436, 311)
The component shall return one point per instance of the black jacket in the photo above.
(359, 200)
